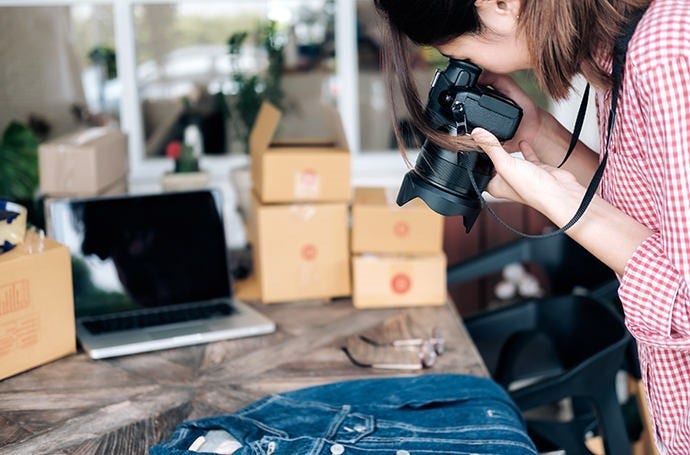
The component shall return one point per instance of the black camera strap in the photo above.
(619, 55)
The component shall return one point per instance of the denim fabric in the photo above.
(427, 414)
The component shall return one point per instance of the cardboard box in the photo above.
(398, 281)
(115, 189)
(380, 226)
(301, 251)
(298, 170)
(84, 163)
(36, 307)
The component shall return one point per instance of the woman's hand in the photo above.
(607, 232)
(527, 181)
(548, 139)
(532, 116)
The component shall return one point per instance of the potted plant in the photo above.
(252, 89)
(186, 174)
(104, 59)
(19, 168)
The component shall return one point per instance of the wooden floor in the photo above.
(125, 405)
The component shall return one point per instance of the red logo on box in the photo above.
(14, 297)
(309, 252)
(307, 184)
(401, 283)
(309, 177)
(401, 229)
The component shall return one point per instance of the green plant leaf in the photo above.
(18, 162)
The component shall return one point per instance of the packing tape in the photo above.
(12, 225)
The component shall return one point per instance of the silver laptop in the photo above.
(151, 272)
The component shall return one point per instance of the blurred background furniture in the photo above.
(567, 345)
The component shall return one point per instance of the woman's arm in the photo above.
(551, 143)
(608, 233)
(654, 265)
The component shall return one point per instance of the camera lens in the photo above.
(441, 179)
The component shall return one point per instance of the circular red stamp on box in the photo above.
(308, 252)
(401, 283)
(401, 229)
(308, 177)
(307, 184)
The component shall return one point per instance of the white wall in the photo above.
(38, 71)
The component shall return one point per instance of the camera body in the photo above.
(456, 105)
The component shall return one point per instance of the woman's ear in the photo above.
(499, 16)
(500, 7)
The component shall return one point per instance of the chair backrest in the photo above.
(564, 346)
(566, 264)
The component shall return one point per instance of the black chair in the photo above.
(566, 264)
(563, 346)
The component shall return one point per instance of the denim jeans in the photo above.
(426, 414)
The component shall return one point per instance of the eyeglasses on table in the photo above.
(427, 349)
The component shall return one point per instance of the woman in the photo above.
(639, 224)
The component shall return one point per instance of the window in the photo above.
(146, 64)
(62, 75)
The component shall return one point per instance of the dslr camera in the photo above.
(457, 104)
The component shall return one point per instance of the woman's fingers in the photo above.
(490, 145)
(529, 153)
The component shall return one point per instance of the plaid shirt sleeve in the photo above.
(648, 177)
(654, 288)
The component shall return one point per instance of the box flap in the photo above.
(264, 128)
(266, 125)
(30, 241)
(371, 196)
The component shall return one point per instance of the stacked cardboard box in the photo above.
(86, 163)
(298, 227)
(36, 305)
(398, 257)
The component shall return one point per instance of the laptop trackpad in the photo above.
(177, 331)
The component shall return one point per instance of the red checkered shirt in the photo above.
(648, 177)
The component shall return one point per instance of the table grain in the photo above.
(125, 405)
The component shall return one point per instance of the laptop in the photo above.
(151, 272)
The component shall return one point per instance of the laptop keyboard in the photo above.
(159, 317)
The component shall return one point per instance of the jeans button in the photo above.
(337, 449)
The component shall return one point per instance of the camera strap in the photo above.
(618, 64)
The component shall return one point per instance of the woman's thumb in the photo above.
(488, 143)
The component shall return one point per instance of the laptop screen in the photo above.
(134, 252)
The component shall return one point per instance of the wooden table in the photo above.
(125, 405)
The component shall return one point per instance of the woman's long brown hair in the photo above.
(580, 35)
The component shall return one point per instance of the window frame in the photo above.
(377, 168)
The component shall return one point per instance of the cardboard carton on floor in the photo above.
(398, 281)
(85, 163)
(300, 251)
(36, 306)
(380, 226)
(300, 169)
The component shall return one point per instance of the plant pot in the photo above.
(182, 181)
